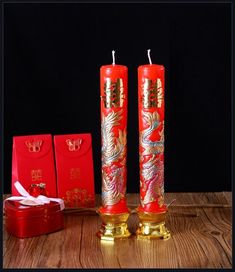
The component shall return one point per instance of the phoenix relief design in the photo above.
(113, 159)
(152, 171)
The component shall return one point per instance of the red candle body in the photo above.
(151, 137)
(113, 89)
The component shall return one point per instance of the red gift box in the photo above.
(33, 163)
(74, 165)
(28, 221)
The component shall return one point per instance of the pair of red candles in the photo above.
(113, 87)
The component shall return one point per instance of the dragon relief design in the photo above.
(113, 159)
(152, 171)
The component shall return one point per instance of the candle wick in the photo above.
(150, 61)
(113, 54)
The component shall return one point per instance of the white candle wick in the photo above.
(113, 54)
(150, 61)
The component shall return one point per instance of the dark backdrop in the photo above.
(52, 57)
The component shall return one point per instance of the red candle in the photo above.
(151, 137)
(113, 89)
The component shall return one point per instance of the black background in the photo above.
(52, 57)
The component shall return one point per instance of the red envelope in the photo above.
(33, 163)
(75, 174)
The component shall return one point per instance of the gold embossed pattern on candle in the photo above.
(152, 170)
(113, 159)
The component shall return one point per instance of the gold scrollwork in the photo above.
(78, 197)
(113, 93)
(74, 145)
(152, 93)
(34, 146)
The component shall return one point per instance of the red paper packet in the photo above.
(75, 174)
(33, 163)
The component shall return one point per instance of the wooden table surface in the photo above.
(200, 224)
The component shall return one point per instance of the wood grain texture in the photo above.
(200, 224)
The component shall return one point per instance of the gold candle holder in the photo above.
(114, 226)
(152, 226)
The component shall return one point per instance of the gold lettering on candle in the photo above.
(152, 93)
(113, 93)
(159, 93)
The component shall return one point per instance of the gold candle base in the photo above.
(114, 226)
(152, 226)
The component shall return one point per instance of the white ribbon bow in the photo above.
(27, 199)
